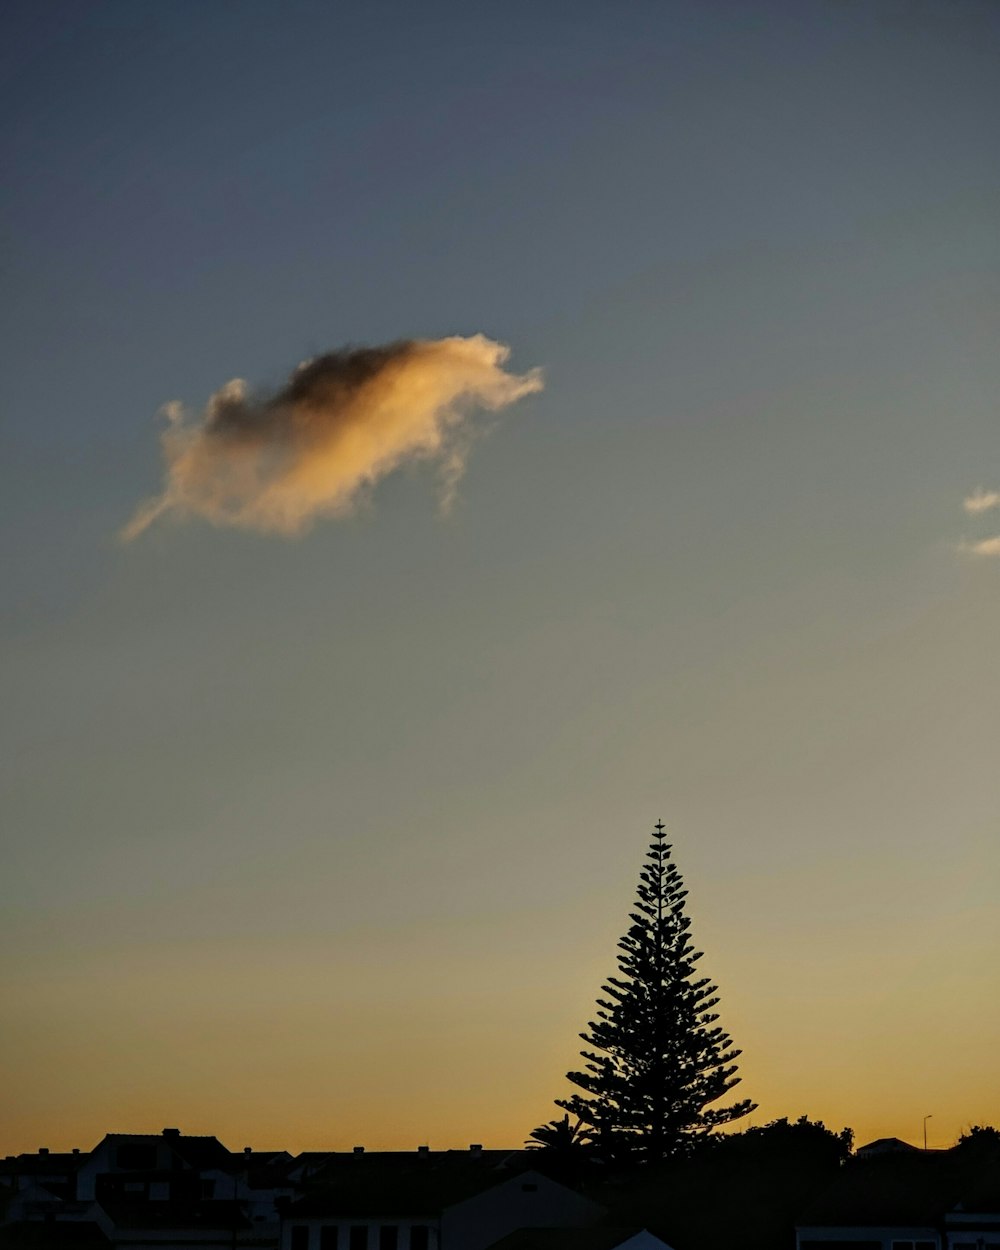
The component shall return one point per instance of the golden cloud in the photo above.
(341, 423)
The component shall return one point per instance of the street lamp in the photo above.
(926, 1118)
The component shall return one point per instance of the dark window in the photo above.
(300, 1237)
(420, 1237)
(328, 1237)
(208, 1189)
(359, 1237)
(388, 1237)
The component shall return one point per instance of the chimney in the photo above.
(423, 1150)
(43, 1150)
(76, 1150)
(359, 1150)
(171, 1132)
(476, 1149)
(248, 1151)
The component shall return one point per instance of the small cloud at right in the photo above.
(981, 501)
(985, 547)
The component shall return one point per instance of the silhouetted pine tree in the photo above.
(658, 1059)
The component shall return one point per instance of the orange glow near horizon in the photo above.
(391, 1061)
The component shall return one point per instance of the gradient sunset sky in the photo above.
(327, 838)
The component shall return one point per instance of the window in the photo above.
(208, 1189)
(328, 1237)
(300, 1237)
(359, 1237)
(420, 1237)
(388, 1237)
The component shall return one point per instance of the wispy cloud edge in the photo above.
(984, 547)
(981, 501)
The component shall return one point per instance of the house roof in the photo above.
(257, 1158)
(903, 1189)
(886, 1144)
(270, 1176)
(347, 1158)
(308, 1162)
(398, 1184)
(202, 1152)
(196, 1152)
(36, 1164)
(566, 1239)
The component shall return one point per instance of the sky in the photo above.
(324, 801)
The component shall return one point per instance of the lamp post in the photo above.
(926, 1118)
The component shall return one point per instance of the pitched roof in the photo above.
(197, 1152)
(202, 1152)
(257, 1158)
(566, 1239)
(399, 1184)
(37, 1164)
(270, 1176)
(900, 1188)
(887, 1144)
